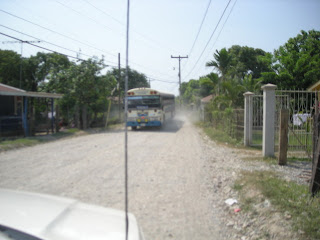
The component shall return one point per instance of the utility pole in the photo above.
(22, 42)
(179, 57)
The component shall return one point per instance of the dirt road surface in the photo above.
(170, 176)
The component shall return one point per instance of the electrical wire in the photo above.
(55, 32)
(209, 52)
(195, 40)
(65, 36)
(140, 34)
(92, 19)
(158, 80)
(209, 39)
(42, 47)
(53, 44)
(152, 78)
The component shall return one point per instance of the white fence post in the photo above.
(248, 111)
(269, 107)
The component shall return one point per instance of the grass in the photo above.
(13, 143)
(285, 197)
(30, 141)
(218, 135)
(295, 140)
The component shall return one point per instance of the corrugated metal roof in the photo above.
(7, 90)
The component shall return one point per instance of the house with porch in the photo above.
(17, 114)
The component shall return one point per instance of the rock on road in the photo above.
(169, 178)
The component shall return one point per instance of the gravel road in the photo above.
(178, 178)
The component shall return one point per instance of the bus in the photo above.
(148, 107)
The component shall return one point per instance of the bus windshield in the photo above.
(143, 102)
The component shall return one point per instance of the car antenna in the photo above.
(125, 123)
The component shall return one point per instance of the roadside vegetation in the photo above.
(218, 135)
(291, 200)
(18, 142)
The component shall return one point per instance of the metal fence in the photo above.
(301, 106)
(257, 120)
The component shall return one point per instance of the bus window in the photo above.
(146, 101)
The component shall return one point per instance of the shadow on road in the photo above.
(172, 125)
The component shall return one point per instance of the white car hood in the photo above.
(51, 218)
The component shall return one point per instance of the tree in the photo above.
(237, 63)
(135, 79)
(209, 84)
(35, 69)
(10, 68)
(297, 63)
(221, 62)
(85, 89)
(248, 60)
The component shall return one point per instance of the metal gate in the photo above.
(257, 120)
(301, 106)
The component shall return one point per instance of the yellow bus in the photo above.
(148, 107)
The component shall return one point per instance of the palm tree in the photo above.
(222, 62)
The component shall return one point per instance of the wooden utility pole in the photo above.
(179, 57)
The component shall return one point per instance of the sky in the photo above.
(157, 31)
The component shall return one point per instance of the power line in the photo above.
(224, 24)
(30, 43)
(86, 16)
(209, 39)
(154, 78)
(158, 80)
(88, 45)
(195, 40)
(209, 52)
(50, 30)
(41, 47)
(142, 35)
(53, 44)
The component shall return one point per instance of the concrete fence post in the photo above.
(269, 107)
(248, 119)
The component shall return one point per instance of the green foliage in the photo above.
(287, 197)
(248, 61)
(83, 85)
(135, 79)
(81, 82)
(222, 62)
(10, 68)
(208, 84)
(219, 135)
(296, 64)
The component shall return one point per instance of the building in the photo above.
(16, 115)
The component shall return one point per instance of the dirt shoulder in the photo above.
(253, 216)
